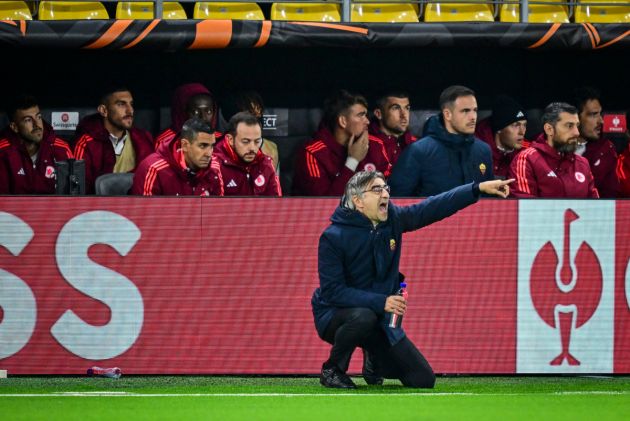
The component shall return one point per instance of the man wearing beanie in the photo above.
(504, 132)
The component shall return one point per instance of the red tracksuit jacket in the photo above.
(623, 172)
(320, 168)
(393, 145)
(501, 160)
(602, 157)
(18, 175)
(258, 178)
(164, 173)
(540, 171)
(95, 148)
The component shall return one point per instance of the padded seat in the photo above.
(458, 12)
(226, 10)
(144, 10)
(596, 13)
(383, 12)
(15, 10)
(537, 13)
(113, 184)
(65, 10)
(307, 12)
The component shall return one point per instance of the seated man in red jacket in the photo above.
(182, 166)
(107, 140)
(599, 152)
(189, 100)
(504, 131)
(550, 167)
(245, 170)
(340, 147)
(391, 124)
(28, 150)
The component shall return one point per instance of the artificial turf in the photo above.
(246, 398)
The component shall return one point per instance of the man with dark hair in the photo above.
(107, 140)
(358, 261)
(504, 132)
(390, 125)
(190, 100)
(246, 171)
(599, 152)
(341, 147)
(252, 102)
(182, 166)
(550, 167)
(29, 149)
(449, 155)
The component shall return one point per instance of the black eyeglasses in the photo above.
(378, 189)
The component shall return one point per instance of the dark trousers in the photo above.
(359, 327)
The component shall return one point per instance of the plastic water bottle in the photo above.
(113, 372)
(396, 320)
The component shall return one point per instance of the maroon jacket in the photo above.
(540, 171)
(320, 168)
(95, 148)
(18, 175)
(623, 172)
(181, 96)
(501, 160)
(164, 173)
(393, 145)
(257, 178)
(602, 157)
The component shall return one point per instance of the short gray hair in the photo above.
(356, 186)
(552, 112)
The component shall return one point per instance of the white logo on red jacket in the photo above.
(260, 180)
(369, 167)
(580, 177)
(50, 172)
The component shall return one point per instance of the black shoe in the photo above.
(334, 377)
(370, 370)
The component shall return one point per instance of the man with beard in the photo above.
(107, 140)
(182, 166)
(28, 151)
(449, 155)
(504, 132)
(550, 167)
(246, 171)
(358, 263)
(390, 125)
(599, 152)
(340, 147)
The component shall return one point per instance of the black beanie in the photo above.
(506, 111)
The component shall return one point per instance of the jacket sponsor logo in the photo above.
(580, 177)
(566, 290)
(21, 172)
(50, 172)
(260, 180)
(232, 183)
(551, 174)
(482, 168)
(369, 167)
(392, 244)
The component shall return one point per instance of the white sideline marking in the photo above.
(291, 395)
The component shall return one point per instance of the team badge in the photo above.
(580, 177)
(392, 244)
(50, 172)
(260, 180)
(369, 167)
(482, 168)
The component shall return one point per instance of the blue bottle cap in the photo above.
(403, 285)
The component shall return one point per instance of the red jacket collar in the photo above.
(405, 139)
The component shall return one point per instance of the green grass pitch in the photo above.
(282, 398)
